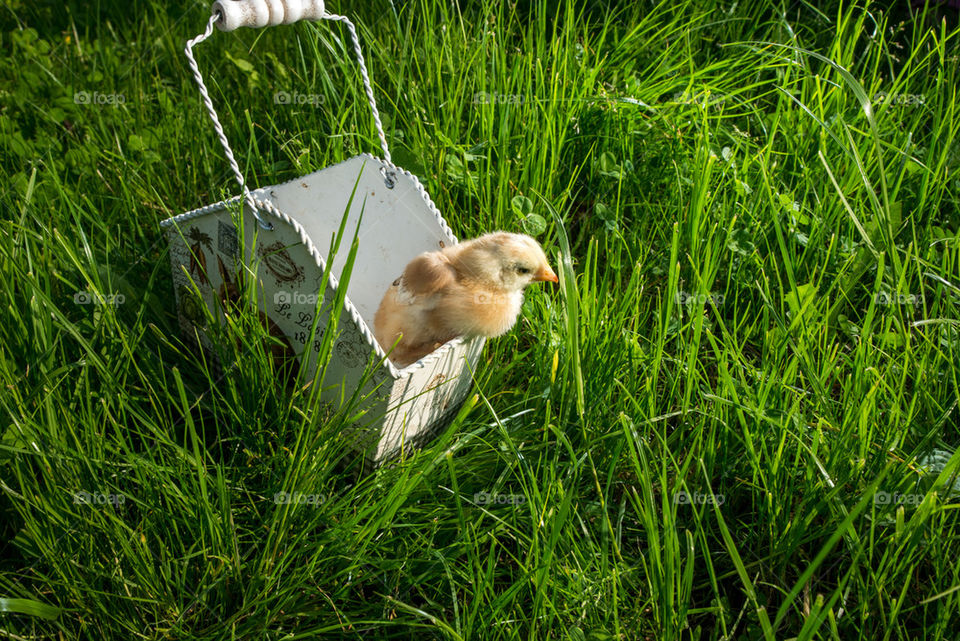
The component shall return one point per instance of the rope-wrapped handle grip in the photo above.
(262, 13)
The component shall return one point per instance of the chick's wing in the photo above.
(428, 274)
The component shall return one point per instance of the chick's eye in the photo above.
(523, 270)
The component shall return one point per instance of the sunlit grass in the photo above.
(737, 419)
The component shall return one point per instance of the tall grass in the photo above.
(736, 420)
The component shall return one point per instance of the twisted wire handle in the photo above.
(216, 120)
(366, 80)
(276, 12)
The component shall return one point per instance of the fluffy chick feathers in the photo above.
(471, 289)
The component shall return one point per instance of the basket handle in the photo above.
(228, 15)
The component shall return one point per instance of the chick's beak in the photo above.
(544, 274)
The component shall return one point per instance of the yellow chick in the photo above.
(471, 289)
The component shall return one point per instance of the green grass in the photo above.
(761, 304)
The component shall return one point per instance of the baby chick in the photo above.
(471, 289)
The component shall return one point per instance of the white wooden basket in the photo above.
(286, 230)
